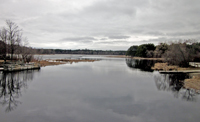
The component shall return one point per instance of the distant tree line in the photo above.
(175, 53)
(79, 51)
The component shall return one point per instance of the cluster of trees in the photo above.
(144, 50)
(175, 53)
(79, 51)
(13, 44)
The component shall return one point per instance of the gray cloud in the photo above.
(102, 21)
(112, 42)
(119, 37)
(184, 33)
(103, 39)
(78, 39)
(155, 33)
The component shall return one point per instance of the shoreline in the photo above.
(138, 58)
(52, 62)
(192, 83)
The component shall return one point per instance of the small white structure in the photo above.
(1, 69)
(194, 64)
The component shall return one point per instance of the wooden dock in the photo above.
(20, 67)
(179, 71)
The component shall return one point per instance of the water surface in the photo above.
(108, 90)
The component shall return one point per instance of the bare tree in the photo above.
(14, 36)
(177, 54)
(160, 50)
(14, 43)
(25, 51)
(181, 53)
(3, 46)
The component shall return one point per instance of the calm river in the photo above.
(109, 90)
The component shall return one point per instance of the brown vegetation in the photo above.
(44, 63)
(164, 66)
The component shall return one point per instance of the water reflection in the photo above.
(144, 65)
(174, 83)
(11, 85)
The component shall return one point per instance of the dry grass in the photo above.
(164, 66)
(44, 63)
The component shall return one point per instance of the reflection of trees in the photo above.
(11, 84)
(174, 83)
(144, 65)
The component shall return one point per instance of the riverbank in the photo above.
(50, 62)
(168, 68)
(192, 83)
(118, 56)
(138, 58)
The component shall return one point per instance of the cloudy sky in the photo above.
(102, 24)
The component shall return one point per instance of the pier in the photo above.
(19, 67)
(179, 71)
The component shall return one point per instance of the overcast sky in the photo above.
(102, 24)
